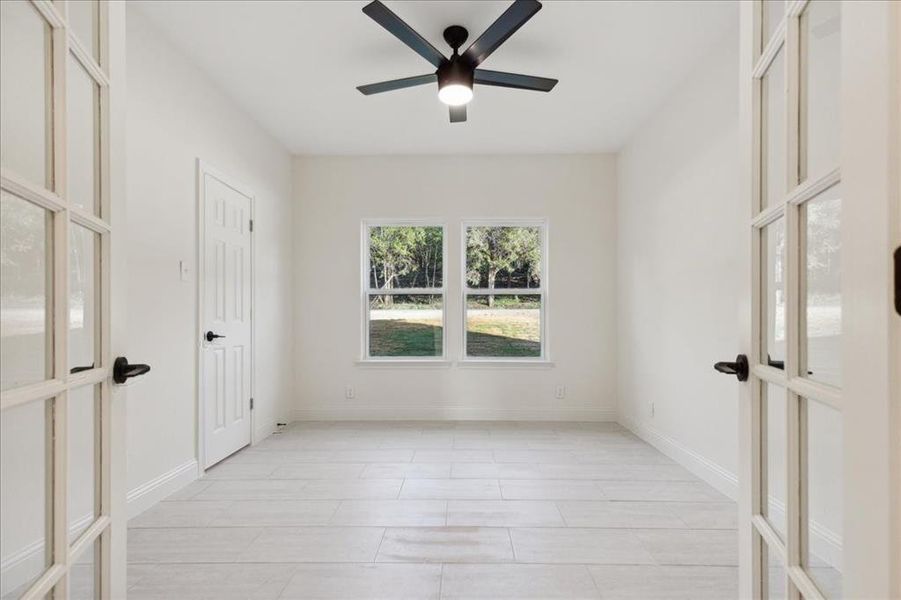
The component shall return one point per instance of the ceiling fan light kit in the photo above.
(457, 75)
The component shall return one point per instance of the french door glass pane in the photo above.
(24, 292)
(405, 325)
(25, 92)
(502, 326)
(24, 467)
(773, 428)
(83, 577)
(822, 559)
(406, 257)
(83, 446)
(772, 261)
(821, 218)
(820, 80)
(83, 136)
(84, 248)
(83, 21)
(774, 582)
(773, 141)
(773, 11)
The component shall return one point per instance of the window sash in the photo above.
(540, 291)
(367, 290)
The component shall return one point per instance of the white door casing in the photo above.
(225, 310)
(836, 396)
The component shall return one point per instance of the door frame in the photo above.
(203, 169)
(871, 346)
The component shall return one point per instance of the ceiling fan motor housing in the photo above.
(456, 71)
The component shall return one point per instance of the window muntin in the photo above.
(403, 290)
(504, 298)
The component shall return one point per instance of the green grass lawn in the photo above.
(496, 335)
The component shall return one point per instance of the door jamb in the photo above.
(204, 168)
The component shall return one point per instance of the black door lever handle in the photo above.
(739, 368)
(122, 370)
(210, 336)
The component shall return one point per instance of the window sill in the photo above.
(375, 363)
(504, 364)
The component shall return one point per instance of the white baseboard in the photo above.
(16, 568)
(261, 432)
(723, 480)
(147, 494)
(824, 543)
(453, 413)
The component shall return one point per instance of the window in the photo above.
(403, 290)
(504, 290)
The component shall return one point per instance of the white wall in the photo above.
(577, 196)
(677, 261)
(175, 116)
(680, 214)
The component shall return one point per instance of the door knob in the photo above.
(210, 336)
(122, 370)
(739, 368)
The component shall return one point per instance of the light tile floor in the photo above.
(439, 510)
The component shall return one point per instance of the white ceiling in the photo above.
(294, 66)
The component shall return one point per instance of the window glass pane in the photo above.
(822, 559)
(83, 446)
(820, 93)
(774, 582)
(823, 311)
(83, 577)
(25, 92)
(503, 257)
(405, 325)
(501, 326)
(83, 21)
(773, 11)
(23, 496)
(772, 270)
(772, 127)
(773, 429)
(84, 249)
(24, 290)
(83, 135)
(406, 257)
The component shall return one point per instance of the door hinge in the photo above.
(251, 225)
(251, 404)
(898, 280)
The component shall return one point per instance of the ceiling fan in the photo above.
(457, 74)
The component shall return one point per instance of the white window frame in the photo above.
(542, 290)
(366, 290)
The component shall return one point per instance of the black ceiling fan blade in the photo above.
(498, 32)
(382, 15)
(458, 113)
(397, 84)
(514, 80)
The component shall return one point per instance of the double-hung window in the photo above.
(404, 282)
(504, 281)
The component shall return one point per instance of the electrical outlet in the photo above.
(349, 392)
(182, 270)
(651, 408)
(560, 392)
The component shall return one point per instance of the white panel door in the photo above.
(226, 319)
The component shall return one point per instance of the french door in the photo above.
(814, 218)
(61, 525)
